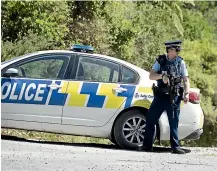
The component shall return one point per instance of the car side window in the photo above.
(129, 76)
(115, 76)
(97, 70)
(43, 68)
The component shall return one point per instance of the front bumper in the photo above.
(194, 135)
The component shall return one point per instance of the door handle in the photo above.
(54, 86)
(120, 89)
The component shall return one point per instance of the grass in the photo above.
(43, 136)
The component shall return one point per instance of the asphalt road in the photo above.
(39, 156)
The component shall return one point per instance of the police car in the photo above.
(79, 92)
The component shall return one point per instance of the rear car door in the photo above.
(37, 93)
(95, 94)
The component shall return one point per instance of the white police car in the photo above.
(87, 94)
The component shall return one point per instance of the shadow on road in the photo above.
(93, 145)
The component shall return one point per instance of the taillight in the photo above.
(194, 97)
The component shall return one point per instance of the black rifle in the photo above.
(171, 86)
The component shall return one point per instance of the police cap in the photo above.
(173, 44)
(176, 43)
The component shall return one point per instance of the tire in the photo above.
(128, 129)
(112, 139)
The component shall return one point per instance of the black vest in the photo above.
(171, 67)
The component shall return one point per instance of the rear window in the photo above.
(129, 76)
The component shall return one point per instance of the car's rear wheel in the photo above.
(129, 129)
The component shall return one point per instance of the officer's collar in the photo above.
(171, 59)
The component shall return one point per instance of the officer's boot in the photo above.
(178, 151)
(144, 147)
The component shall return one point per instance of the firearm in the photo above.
(172, 87)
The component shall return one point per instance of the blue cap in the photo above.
(82, 48)
(176, 43)
(173, 44)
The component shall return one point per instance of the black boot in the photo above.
(145, 149)
(178, 151)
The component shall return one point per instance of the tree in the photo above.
(40, 17)
(211, 16)
(28, 44)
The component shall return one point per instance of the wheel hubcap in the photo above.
(133, 130)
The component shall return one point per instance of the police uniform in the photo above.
(162, 100)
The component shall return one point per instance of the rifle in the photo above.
(171, 87)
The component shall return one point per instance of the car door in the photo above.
(36, 94)
(95, 94)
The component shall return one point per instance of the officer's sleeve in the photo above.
(184, 70)
(156, 66)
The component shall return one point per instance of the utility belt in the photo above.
(159, 91)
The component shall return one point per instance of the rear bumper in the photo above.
(194, 135)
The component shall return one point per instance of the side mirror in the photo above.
(11, 72)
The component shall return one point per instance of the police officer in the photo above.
(162, 99)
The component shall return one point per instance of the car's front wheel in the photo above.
(129, 129)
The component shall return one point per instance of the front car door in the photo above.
(37, 93)
(95, 94)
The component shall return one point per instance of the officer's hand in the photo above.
(165, 79)
(186, 98)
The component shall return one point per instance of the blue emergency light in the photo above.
(82, 48)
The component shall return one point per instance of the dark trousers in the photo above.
(160, 104)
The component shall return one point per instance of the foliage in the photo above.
(137, 32)
(202, 56)
(30, 43)
(40, 17)
(87, 27)
(211, 16)
(196, 27)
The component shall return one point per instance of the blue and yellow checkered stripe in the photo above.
(98, 95)
(71, 93)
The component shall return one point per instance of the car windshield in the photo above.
(10, 60)
(13, 59)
